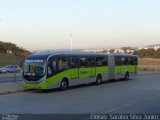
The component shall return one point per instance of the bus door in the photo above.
(74, 68)
(84, 70)
(91, 67)
(118, 66)
(131, 65)
(52, 67)
(124, 65)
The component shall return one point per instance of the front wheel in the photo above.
(64, 85)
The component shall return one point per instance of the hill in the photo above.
(12, 54)
(13, 49)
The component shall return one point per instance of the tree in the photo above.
(7, 46)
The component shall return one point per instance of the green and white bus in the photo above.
(47, 70)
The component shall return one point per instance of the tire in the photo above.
(126, 76)
(98, 80)
(64, 84)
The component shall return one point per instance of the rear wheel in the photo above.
(126, 76)
(64, 85)
(98, 80)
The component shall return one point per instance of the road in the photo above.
(139, 95)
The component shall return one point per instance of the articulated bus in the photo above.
(48, 70)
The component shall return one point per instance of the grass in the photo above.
(8, 60)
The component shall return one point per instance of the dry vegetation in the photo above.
(149, 64)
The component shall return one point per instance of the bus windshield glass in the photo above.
(34, 68)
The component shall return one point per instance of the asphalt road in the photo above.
(139, 95)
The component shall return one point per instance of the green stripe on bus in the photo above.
(70, 74)
(123, 69)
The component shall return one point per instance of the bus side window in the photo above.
(73, 62)
(135, 61)
(123, 61)
(131, 60)
(117, 61)
(90, 62)
(98, 61)
(83, 62)
(54, 66)
(105, 61)
(63, 64)
(49, 69)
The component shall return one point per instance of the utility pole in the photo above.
(71, 43)
(15, 66)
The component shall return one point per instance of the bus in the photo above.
(48, 70)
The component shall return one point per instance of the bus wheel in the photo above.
(98, 80)
(126, 76)
(64, 85)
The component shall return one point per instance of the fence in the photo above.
(10, 60)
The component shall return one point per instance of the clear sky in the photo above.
(47, 24)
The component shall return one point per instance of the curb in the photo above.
(11, 92)
(148, 74)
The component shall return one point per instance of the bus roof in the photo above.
(46, 54)
(123, 54)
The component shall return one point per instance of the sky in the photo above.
(48, 24)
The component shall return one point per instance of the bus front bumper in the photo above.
(41, 86)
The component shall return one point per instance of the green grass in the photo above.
(8, 60)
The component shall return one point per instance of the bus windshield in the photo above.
(34, 68)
